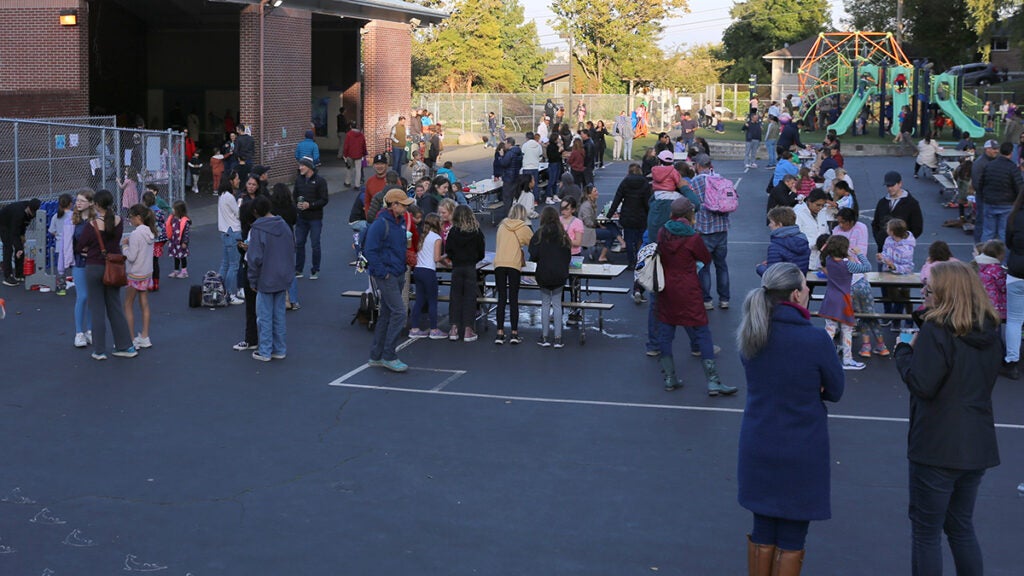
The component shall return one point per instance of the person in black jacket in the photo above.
(634, 197)
(897, 204)
(950, 368)
(464, 247)
(14, 220)
(990, 153)
(510, 161)
(784, 194)
(310, 192)
(999, 186)
(551, 249)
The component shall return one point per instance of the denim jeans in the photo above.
(608, 234)
(718, 245)
(1014, 319)
(942, 500)
(399, 159)
(633, 237)
(391, 322)
(426, 297)
(773, 157)
(293, 291)
(229, 260)
(303, 229)
(270, 320)
(535, 173)
(700, 339)
(83, 320)
(551, 309)
(995, 221)
(554, 175)
(506, 283)
(786, 534)
(751, 151)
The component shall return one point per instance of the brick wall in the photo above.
(286, 86)
(44, 67)
(387, 78)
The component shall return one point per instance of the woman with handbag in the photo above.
(99, 245)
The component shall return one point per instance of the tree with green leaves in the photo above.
(484, 45)
(966, 26)
(692, 69)
(763, 26)
(612, 39)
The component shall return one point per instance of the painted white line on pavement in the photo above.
(339, 382)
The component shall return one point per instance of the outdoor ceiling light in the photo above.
(415, 22)
(277, 3)
(69, 17)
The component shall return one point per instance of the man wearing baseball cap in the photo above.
(385, 258)
(897, 203)
(991, 151)
(376, 182)
(310, 194)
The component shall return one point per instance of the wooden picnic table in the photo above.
(876, 279)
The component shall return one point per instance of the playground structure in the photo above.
(859, 65)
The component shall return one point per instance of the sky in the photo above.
(703, 24)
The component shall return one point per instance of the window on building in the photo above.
(1000, 44)
(792, 65)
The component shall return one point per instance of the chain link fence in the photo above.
(44, 158)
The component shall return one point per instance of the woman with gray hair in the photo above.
(783, 472)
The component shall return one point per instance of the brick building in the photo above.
(155, 62)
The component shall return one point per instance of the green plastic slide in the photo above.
(851, 111)
(900, 96)
(942, 94)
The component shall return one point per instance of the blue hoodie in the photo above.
(271, 255)
(787, 244)
(385, 245)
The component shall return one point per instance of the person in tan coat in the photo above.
(513, 234)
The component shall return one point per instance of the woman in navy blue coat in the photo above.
(784, 476)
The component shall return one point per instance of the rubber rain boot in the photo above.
(760, 558)
(668, 369)
(787, 562)
(715, 386)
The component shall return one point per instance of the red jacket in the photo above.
(681, 303)
(355, 145)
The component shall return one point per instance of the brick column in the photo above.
(387, 79)
(44, 67)
(287, 95)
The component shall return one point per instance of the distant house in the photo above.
(1005, 54)
(785, 64)
(556, 80)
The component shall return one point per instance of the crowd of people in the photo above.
(408, 228)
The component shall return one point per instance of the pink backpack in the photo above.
(720, 194)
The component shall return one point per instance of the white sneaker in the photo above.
(142, 342)
(853, 365)
(240, 295)
(80, 341)
(88, 336)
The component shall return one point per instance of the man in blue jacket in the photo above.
(385, 258)
(511, 164)
(271, 258)
(308, 147)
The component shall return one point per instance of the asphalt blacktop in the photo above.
(194, 459)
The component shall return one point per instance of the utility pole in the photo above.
(568, 106)
(899, 21)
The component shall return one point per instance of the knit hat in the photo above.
(681, 206)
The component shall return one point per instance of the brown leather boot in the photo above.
(759, 558)
(787, 562)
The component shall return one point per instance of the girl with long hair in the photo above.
(513, 234)
(465, 247)
(138, 251)
(81, 217)
(551, 249)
